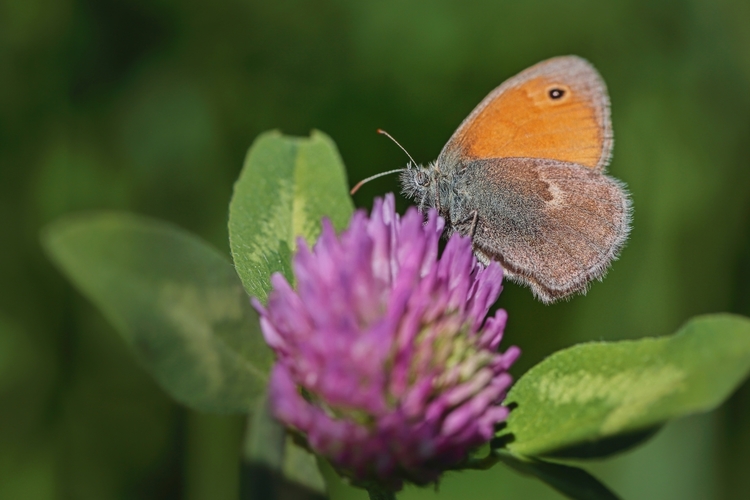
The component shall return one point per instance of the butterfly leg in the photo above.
(474, 219)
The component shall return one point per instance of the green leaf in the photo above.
(286, 186)
(175, 300)
(591, 392)
(268, 445)
(301, 467)
(572, 482)
(606, 446)
(266, 438)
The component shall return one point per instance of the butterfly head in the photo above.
(422, 184)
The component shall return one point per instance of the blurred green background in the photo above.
(150, 105)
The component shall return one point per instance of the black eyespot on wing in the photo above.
(556, 93)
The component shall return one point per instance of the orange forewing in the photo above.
(520, 119)
(525, 122)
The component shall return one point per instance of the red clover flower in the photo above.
(385, 363)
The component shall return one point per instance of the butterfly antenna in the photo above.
(411, 160)
(383, 132)
(381, 174)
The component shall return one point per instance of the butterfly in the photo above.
(524, 177)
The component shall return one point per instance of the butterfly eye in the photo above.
(421, 179)
(556, 93)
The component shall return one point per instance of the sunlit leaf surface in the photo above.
(597, 390)
(286, 186)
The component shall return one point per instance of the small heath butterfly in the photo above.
(523, 176)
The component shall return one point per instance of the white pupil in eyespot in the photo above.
(556, 93)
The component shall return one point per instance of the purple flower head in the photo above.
(385, 362)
